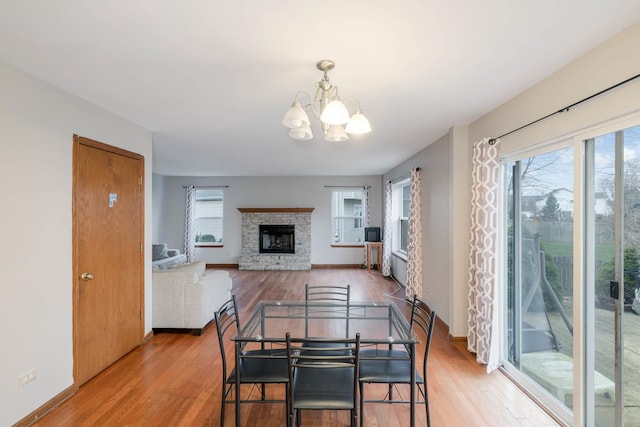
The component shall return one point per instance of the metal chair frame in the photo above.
(315, 362)
(257, 367)
(392, 367)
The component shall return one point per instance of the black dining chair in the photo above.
(392, 366)
(326, 294)
(256, 367)
(322, 378)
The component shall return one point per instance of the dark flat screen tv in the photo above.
(372, 234)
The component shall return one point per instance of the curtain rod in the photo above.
(492, 141)
(206, 186)
(347, 186)
(404, 176)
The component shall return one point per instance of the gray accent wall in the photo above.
(264, 192)
(435, 164)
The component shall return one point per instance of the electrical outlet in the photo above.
(27, 377)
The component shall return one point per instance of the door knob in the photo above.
(86, 276)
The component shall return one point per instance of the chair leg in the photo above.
(222, 403)
(287, 410)
(426, 405)
(361, 404)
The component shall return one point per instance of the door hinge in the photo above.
(140, 180)
(140, 314)
(140, 247)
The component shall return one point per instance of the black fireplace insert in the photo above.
(277, 239)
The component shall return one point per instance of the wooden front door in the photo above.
(108, 258)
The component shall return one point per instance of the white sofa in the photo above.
(163, 258)
(186, 298)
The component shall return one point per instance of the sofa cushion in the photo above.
(192, 267)
(159, 251)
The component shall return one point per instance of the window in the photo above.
(400, 198)
(347, 211)
(208, 216)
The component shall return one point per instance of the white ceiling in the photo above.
(212, 79)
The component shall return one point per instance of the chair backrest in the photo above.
(319, 354)
(422, 322)
(327, 294)
(227, 322)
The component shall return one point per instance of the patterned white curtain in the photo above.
(386, 248)
(190, 224)
(483, 337)
(414, 250)
(366, 218)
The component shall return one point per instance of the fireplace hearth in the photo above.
(277, 239)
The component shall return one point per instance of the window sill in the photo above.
(348, 246)
(401, 255)
(210, 246)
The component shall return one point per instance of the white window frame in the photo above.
(340, 195)
(397, 216)
(198, 216)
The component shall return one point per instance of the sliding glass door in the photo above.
(612, 261)
(572, 275)
(539, 244)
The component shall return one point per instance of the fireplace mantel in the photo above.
(276, 210)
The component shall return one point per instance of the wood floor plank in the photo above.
(174, 379)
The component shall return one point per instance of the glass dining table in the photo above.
(379, 323)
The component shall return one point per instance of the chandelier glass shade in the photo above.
(328, 108)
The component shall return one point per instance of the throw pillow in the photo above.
(159, 251)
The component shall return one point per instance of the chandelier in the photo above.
(329, 108)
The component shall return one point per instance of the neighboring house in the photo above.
(533, 205)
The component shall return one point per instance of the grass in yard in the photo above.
(604, 253)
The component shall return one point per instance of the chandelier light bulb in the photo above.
(336, 133)
(358, 124)
(301, 133)
(296, 117)
(335, 113)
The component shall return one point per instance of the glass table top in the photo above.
(377, 322)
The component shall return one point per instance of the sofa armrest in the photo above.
(168, 299)
(173, 252)
(203, 298)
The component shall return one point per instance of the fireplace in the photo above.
(277, 239)
(256, 255)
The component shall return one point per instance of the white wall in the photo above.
(37, 123)
(272, 192)
(610, 63)
(460, 175)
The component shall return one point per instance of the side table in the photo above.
(378, 246)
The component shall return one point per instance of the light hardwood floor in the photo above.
(174, 379)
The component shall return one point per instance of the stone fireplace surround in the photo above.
(250, 256)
